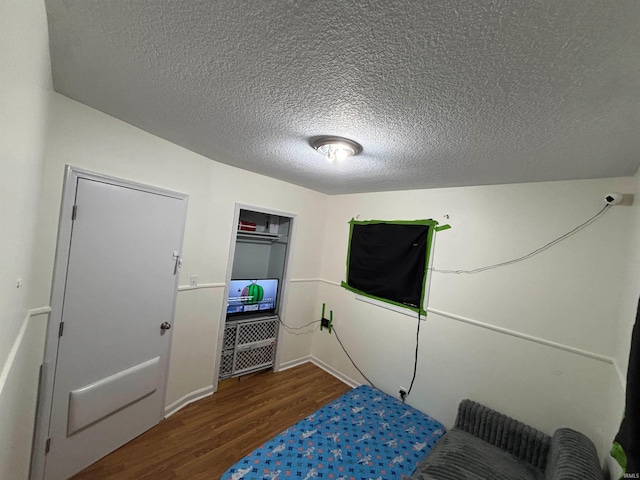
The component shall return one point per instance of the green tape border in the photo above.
(433, 227)
(617, 452)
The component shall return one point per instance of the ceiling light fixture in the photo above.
(336, 149)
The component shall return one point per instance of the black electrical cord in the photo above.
(531, 254)
(415, 361)
(288, 328)
(349, 356)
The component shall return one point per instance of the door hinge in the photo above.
(74, 212)
(176, 258)
(47, 446)
(61, 329)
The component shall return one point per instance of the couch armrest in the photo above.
(513, 437)
(572, 456)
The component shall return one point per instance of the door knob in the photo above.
(165, 326)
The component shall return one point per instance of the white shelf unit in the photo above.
(261, 237)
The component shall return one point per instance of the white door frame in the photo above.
(48, 367)
(284, 288)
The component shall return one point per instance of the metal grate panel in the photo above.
(229, 335)
(254, 358)
(257, 331)
(226, 364)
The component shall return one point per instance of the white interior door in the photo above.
(113, 352)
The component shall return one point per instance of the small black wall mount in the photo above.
(326, 322)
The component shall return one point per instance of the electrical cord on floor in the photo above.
(349, 356)
(531, 254)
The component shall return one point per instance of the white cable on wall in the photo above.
(533, 253)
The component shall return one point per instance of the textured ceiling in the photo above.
(439, 93)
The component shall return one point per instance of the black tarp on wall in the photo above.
(388, 260)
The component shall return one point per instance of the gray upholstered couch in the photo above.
(485, 444)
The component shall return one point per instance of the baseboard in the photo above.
(207, 391)
(294, 363)
(187, 399)
(319, 363)
(339, 375)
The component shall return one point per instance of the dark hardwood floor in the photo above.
(205, 438)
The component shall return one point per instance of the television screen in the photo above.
(252, 296)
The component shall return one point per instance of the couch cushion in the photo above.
(462, 456)
(512, 436)
(572, 457)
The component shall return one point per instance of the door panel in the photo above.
(89, 404)
(112, 357)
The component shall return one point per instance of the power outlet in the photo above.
(403, 393)
(326, 322)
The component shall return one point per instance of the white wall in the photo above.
(24, 89)
(582, 293)
(24, 86)
(628, 305)
(630, 291)
(88, 139)
(568, 295)
(251, 260)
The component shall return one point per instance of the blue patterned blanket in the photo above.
(364, 434)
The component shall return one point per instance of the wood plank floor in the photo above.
(204, 439)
